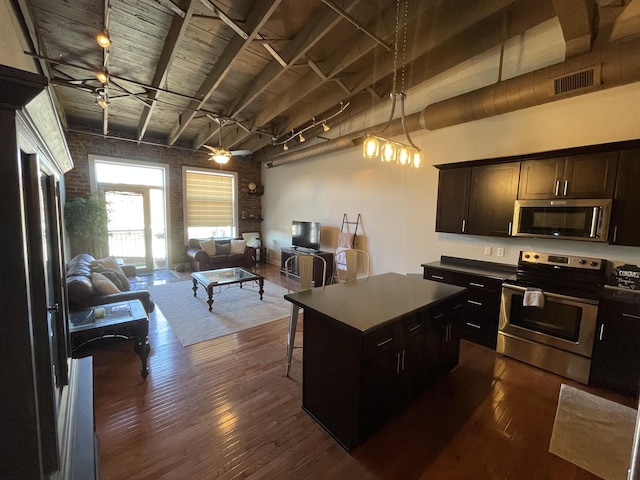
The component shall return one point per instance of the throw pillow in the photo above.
(118, 279)
(208, 246)
(103, 285)
(110, 263)
(238, 246)
(223, 248)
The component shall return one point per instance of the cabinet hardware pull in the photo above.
(509, 228)
(385, 341)
(473, 302)
(479, 285)
(464, 225)
(615, 234)
(556, 190)
(457, 306)
(601, 335)
(473, 325)
(566, 188)
(447, 333)
(631, 315)
(403, 360)
(438, 317)
(437, 277)
(398, 363)
(415, 327)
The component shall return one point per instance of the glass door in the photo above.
(136, 230)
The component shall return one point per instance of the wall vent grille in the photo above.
(575, 81)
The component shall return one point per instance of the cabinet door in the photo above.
(494, 190)
(541, 179)
(453, 200)
(592, 175)
(625, 222)
(615, 361)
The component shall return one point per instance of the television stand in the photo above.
(286, 252)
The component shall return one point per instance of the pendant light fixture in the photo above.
(375, 145)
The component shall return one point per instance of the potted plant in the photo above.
(85, 219)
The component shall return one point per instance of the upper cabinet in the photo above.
(477, 200)
(453, 200)
(591, 175)
(625, 221)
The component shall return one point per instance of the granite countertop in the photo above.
(497, 271)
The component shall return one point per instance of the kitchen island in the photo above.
(371, 346)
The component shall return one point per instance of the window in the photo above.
(209, 203)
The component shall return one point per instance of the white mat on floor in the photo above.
(593, 433)
(234, 309)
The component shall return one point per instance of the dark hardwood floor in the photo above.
(223, 409)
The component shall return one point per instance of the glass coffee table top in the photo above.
(224, 276)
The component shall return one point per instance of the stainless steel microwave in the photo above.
(568, 219)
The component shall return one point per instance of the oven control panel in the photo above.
(561, 260)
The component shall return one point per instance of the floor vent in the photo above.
(577, 81)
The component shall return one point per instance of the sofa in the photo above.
(92, 282)
(211, 254)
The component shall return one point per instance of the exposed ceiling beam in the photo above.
(258, 16)
(176, 32)
(322, 22)
(577, 22)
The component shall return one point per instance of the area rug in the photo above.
(234, 309)
(593, 433)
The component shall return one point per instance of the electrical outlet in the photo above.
(500, 252)
(487, 250)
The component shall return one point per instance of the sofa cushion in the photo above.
(118, 279)
(80, 265)
(79, 288)
(208, 246)
(238, 246)
(103, 285)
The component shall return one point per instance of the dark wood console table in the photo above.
(371, 346)
(287, 252)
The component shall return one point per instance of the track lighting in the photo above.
(103, 102)
(325, 127)
(286, 147)
(103, 39)
(302, 139)
(103, 77)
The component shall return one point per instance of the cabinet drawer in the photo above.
(438, 275)
(480, 328)
(486, 302)
(477, 282)
(413, 325)
(378, 340)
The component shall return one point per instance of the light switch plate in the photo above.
(500, 252)
(487, 250)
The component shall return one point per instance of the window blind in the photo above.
(209, 200)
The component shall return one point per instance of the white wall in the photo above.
(398, 206)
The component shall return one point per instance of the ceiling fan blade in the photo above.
(240, 153)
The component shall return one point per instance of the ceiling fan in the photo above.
(221, 155)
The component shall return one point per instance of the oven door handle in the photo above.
(552, 295)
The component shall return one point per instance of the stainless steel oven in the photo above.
(555, 331)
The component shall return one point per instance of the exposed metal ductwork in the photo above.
(612, 65)
(616, 64)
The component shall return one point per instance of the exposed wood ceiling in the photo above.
(263, 68)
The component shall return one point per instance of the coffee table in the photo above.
(126, 320)
(224, 276)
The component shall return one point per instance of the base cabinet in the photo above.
(354, 383)
(615, 361)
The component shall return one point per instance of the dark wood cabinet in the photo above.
(494, 190)
(285, 253)
(589, 175)
(453, 200)
(477, 200)
(625, 221)
(615, 362)
(362, 365)
(483, 283)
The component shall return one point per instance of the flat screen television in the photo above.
(305, 234)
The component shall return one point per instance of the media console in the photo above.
(287, 252)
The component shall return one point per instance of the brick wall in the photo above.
(77, 180)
